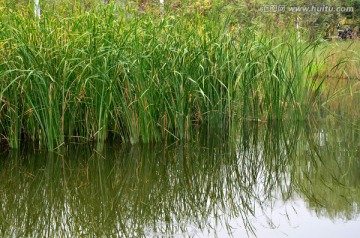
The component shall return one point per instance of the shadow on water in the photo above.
(182, 190)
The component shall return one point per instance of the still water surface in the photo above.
(266, 180)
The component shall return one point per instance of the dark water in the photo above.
(298, 179)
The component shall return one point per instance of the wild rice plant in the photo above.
(108, 73)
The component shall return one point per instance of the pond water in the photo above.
(296, 179)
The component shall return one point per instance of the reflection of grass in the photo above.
(135, 192)
(318, 162)
(150, 190)
(330, 184)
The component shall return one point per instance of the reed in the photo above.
(112, 73)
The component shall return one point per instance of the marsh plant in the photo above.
(110, 73)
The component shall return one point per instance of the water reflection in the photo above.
(184, 190)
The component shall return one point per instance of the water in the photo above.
(298, 179)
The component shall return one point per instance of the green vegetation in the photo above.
(135, 76)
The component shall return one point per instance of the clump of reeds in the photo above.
(142, 77)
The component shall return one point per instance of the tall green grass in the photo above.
(108, 73)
